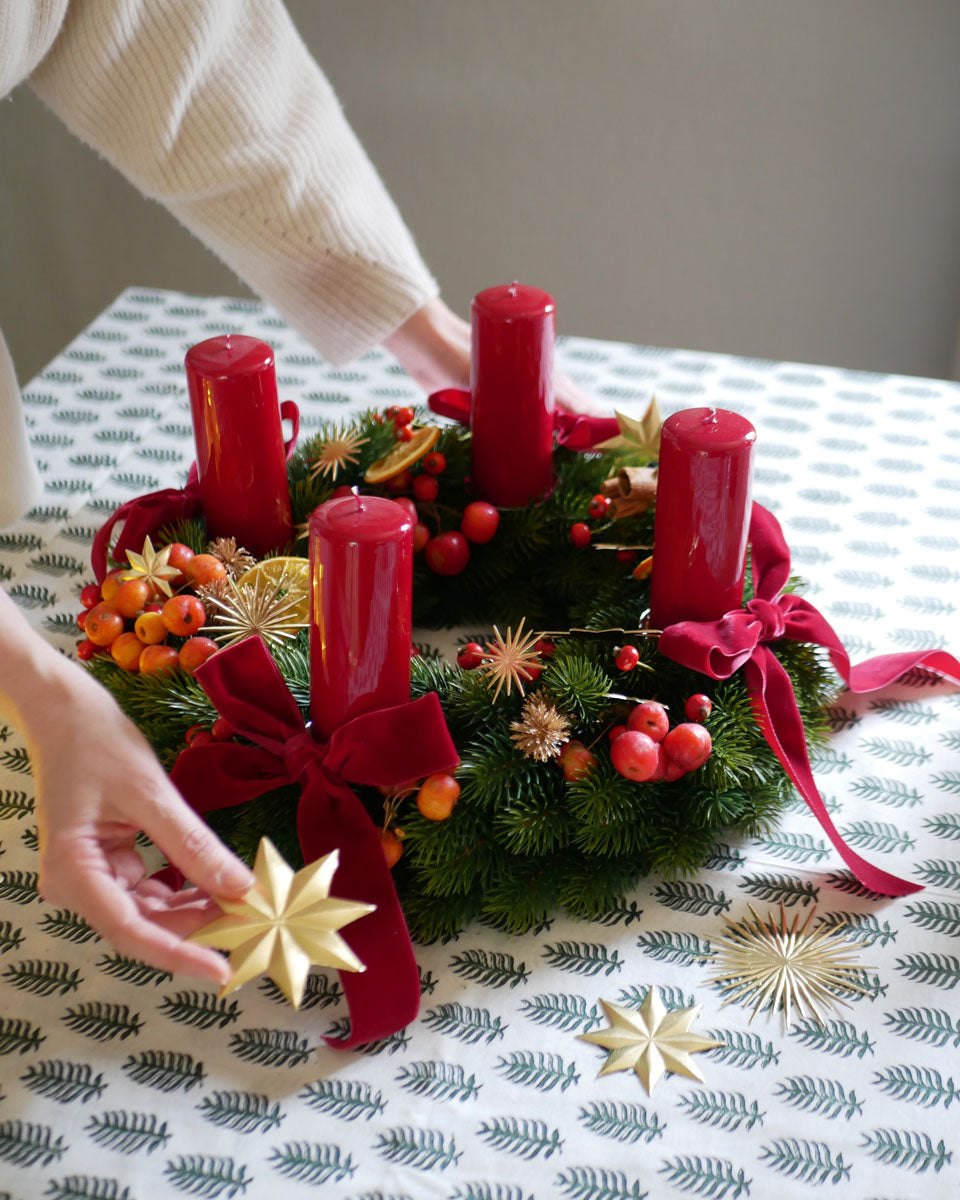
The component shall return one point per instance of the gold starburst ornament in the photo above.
(336, 452)
(540, 731)
(511, 660)
(153, 566)
(235, 558)
(776, 964)
(650, 1040)
(635, 436)
(285, 924)
(268, 607)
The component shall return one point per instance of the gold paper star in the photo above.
(509, 660)
(780, 965)
(650, 1040)
(339, 449)
(634, 436)
(268, 606)
(153, 566)
(285, 923)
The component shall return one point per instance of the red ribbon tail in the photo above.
(775, 707)
(578, 432)
(386, 996)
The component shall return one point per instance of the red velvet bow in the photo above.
(141, 517)
(574, 431)
(740, 639)
(382, 749)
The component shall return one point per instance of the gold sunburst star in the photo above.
(339, 449)
(540, 731)
(634, 435)
(285, 924)
(510, 660)
(779, 965)
(650, 1040)
(268, 607)
(153, 566)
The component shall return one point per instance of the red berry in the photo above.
(403, 416)
(343, 490)
(402, 433)
(698, 707)
(435, 463)
(81, 619)
(414, 651)
(90, 595)
(533, 673)
(447, 553)
(688, 745)
(203, 738)
(437, 796)
(616, 731)
(479, 522)
(192, 733)
(392, 411)
(577, 761)
(86, 650)
(627, 658)
(421, 535)
(580, 535)
(598, 507)
(180, 554)
(545, 648)
(400, 482)
(222, 730)
(408, 507)
(650, 718)
(626, 556)
(195, 651)
(634, 756)
(470, 656)
(672, 770)
(425, 488)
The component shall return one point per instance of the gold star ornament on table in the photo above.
(285, 924)
(650, 1040)
(511, 660)
(336, 452)
(153, 566)
(776, 964)
(636, 436)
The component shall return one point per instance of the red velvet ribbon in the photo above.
(574, 431)
(741, 639)
(385, 748)
(141, 517)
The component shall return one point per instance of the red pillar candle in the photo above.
(361, 574)
(241, 459)
(511, 384)
(704, 482)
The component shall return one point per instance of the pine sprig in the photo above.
(621, 1122)
(706, 1176)
(207, 1176)
(597, 1183)
(64, 1082)
(309, 1163)
(924, 1086)
(538, 1070)
(810, 1162)
(200, 1010)
(826, 1097)
(526, 1137)
(346, 1100)
(724, 1110)
(906, 1148)
(241, 1112)
(128, 1132)
(270, 1047)
(470, 1025)
(23, 1144)
(438, 1081)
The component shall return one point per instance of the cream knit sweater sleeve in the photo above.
(216, 109)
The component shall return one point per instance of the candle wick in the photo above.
(359, 502)
(512, 289)
(711, 417)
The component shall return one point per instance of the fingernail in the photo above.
(235, 878)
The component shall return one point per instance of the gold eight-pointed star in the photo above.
(284, 924)
(650, 1040)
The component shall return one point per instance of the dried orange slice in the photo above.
(405, 455)
(288, 575)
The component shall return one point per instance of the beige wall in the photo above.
(779, 178)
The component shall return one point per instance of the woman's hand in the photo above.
(98, 784)
(433, 346)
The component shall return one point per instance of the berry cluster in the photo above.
(436, 797)
(646, 749)
(133, 615)
(446, 552)
(581, 534)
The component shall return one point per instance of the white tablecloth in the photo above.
(120, 1083)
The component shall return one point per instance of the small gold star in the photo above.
(153, 566)
(339, 449)
(650, 1040)
(285, 923)
(268, 606)
(779, 965)
(510, 660)
(634, 435)
(541, 730)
